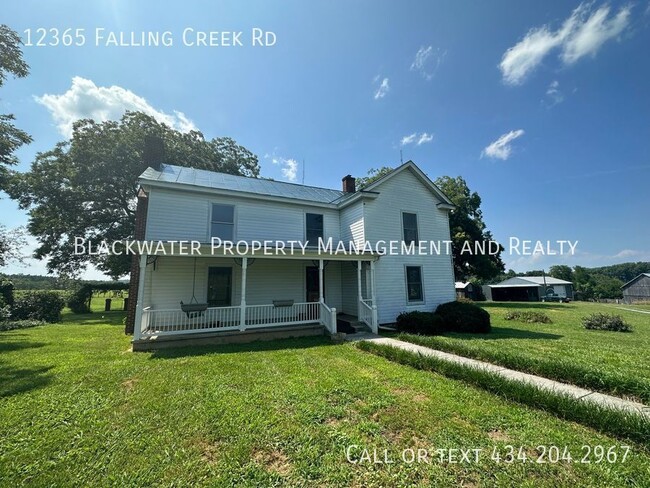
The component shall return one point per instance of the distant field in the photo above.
(613, 362)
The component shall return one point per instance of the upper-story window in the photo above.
(314, 226)
(222, 222)
(410, 226)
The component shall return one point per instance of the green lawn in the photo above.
(78, 408)
(613, 362)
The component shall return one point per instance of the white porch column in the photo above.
(242, 304)
(373, 296)
(359, 294)
(137, 326)
(321, 295)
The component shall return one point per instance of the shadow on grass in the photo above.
(257, 346)
(21, 380)
(505, 333)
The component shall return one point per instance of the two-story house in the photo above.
(238, 289)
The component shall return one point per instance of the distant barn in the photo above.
(638, 289)
(531, 289)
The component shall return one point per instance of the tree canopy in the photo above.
(86, 187)
(466, 224)
(11, 63)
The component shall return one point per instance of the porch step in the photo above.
(350, 325)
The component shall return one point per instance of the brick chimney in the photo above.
(349, 184)
(154, 151)
(139, 234)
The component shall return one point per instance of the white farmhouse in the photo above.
(243, 293)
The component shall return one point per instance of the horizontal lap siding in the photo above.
(405, 193)
(352, 228)
(178, 215)
(266, 280)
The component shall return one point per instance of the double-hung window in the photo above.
(414, 292)
(314, 228)
(410, 227)
(222, 222)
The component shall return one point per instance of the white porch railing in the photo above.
(368, 314)
(175, 321)
(328, 317)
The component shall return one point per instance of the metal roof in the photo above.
(522, 281)
(634, 279)
(169, 173)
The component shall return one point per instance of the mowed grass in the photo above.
(612, 362)
(77, 408)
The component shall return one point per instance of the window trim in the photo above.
(305, 221)
(406, 284)
(234, 220)
(417, 226)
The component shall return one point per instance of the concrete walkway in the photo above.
(543, 383)
(633, 310)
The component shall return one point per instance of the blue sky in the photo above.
(543, 107)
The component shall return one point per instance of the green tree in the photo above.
(561, 272)
(86, 186)
(373, 174)
(11, 63)
(466, 224)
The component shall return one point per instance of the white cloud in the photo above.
(554, 94)
(84, 99)
(417, 139)
(584, 32)
(408, 139)
(424, 138)
(593, 33)
(288, 167)
(501, 148)
(383, 89)
(427, 61)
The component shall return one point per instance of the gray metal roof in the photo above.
(221, 181)
(523, 281)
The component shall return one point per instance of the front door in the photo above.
(311, 281)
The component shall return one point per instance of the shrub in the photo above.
(419, 323)
(528, 316)
(464, 300)
(38, 305)
(79, 301)
(463, 317)
(605, 321)
(7, 291)
(19, 324)
(5, 310)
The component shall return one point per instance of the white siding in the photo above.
(383, 221)
(266, 280)
(352, 224)
(174, 215)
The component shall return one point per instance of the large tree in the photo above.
(11, 63)
(86, 187)
(466, 225)
(11, 138)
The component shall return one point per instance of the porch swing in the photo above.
(194, 308)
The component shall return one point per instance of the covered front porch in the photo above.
(181, 295)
